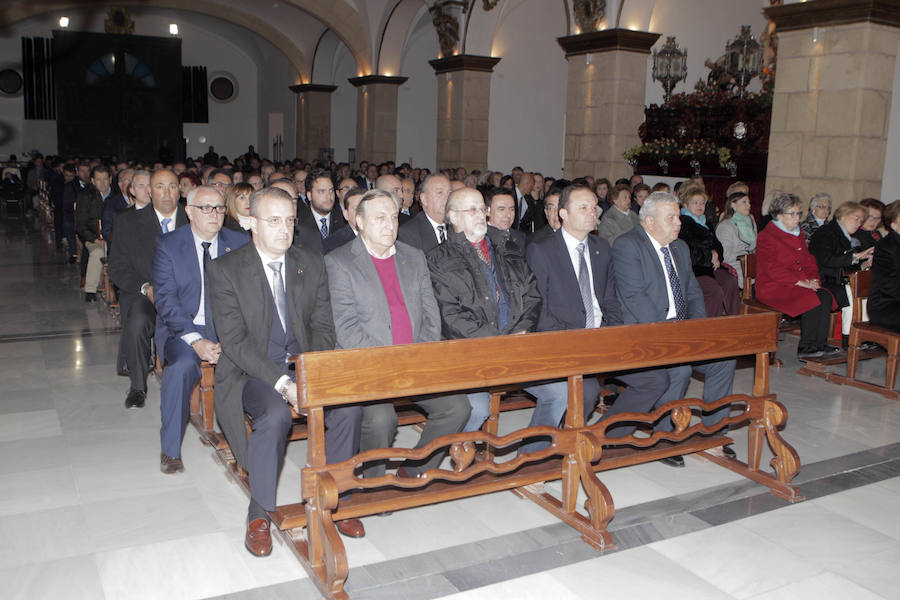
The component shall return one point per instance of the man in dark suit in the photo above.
(574, 273)
(551, 213)
(501, 207)
(322, 213)
(381, 296)
(348, 232)
(484, 287)
(114, 203)
(529, 216)
(270, 301)
(88, 214)
(427, 229)
(655, 282)
(131, 269)
(185, 334)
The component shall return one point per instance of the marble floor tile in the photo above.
(38, 490)
(32, 454)
(873, 506)
(192, 566)
(533, 587)
(74, 578)
(736, 560)
(147, 519)
(638, 574)
(823, 585)
(29, 425)
(24, 400)
(876, 572)
(819, 535)
(42, 535)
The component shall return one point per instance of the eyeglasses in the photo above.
(795, 213)
(208, 208)
(475, 210)
(278, 221)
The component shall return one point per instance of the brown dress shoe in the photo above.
(351, 528)
(258, 540)
(169, 465)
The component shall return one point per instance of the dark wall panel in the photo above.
(117, 94)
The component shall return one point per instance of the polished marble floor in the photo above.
(85, 512)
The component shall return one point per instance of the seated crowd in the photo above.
(244, 264)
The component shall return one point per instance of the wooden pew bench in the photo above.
(577, 451)
(860, 332)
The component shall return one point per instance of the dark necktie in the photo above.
(584, 284)
(280, 296)
(441, 236)
(680, 304)
(165, 224)
(324, 228)
(207, 301)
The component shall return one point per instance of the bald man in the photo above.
(529, 216)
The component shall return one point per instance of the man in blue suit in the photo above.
(655, 282)
(185, 334)
(573, 268)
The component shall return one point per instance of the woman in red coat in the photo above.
(787, 277)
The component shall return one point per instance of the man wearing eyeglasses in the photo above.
(220, 179)
(484, 287)
(270, 301)
(185, 334)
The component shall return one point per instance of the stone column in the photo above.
(313, 118)
(376, 117)
(464, 104)
(831, 108)
(604, 99)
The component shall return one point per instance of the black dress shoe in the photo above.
(832, 351)
(169, 465)
(673, 461)
(729, 451)
(90, 297)
(809, 353)
(135, 399)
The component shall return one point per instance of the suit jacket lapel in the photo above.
(257, 278)
(594, 258)
(293, 279)
(563, 258)
(365, 266)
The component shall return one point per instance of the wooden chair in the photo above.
(860, 332)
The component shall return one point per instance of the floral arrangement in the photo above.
(667, 148)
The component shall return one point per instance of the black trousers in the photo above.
(814, 323)
(268, 440)
(138, 327)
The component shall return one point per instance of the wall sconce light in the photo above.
(173, 28)
(64, 22)
(588, 59)
(816, 33)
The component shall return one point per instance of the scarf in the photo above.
(781, 226)
(700, 220)
(744, 226)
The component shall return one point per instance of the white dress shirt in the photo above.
(200, 317)
(435, 225)
(575, 257)
(662, 261)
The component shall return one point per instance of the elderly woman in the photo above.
(838, 252)
(817, 214)
(884, 297)
(719, 285)
(872, 229)
(237, 207)
(737, 232)
(619, 218)
(787, 278)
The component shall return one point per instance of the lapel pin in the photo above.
(299, 271)
(227, 249)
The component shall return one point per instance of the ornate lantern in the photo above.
(669, 65)
(744, 58)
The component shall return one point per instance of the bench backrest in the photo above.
(748, 266)
(860, 285)
(350, 376)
